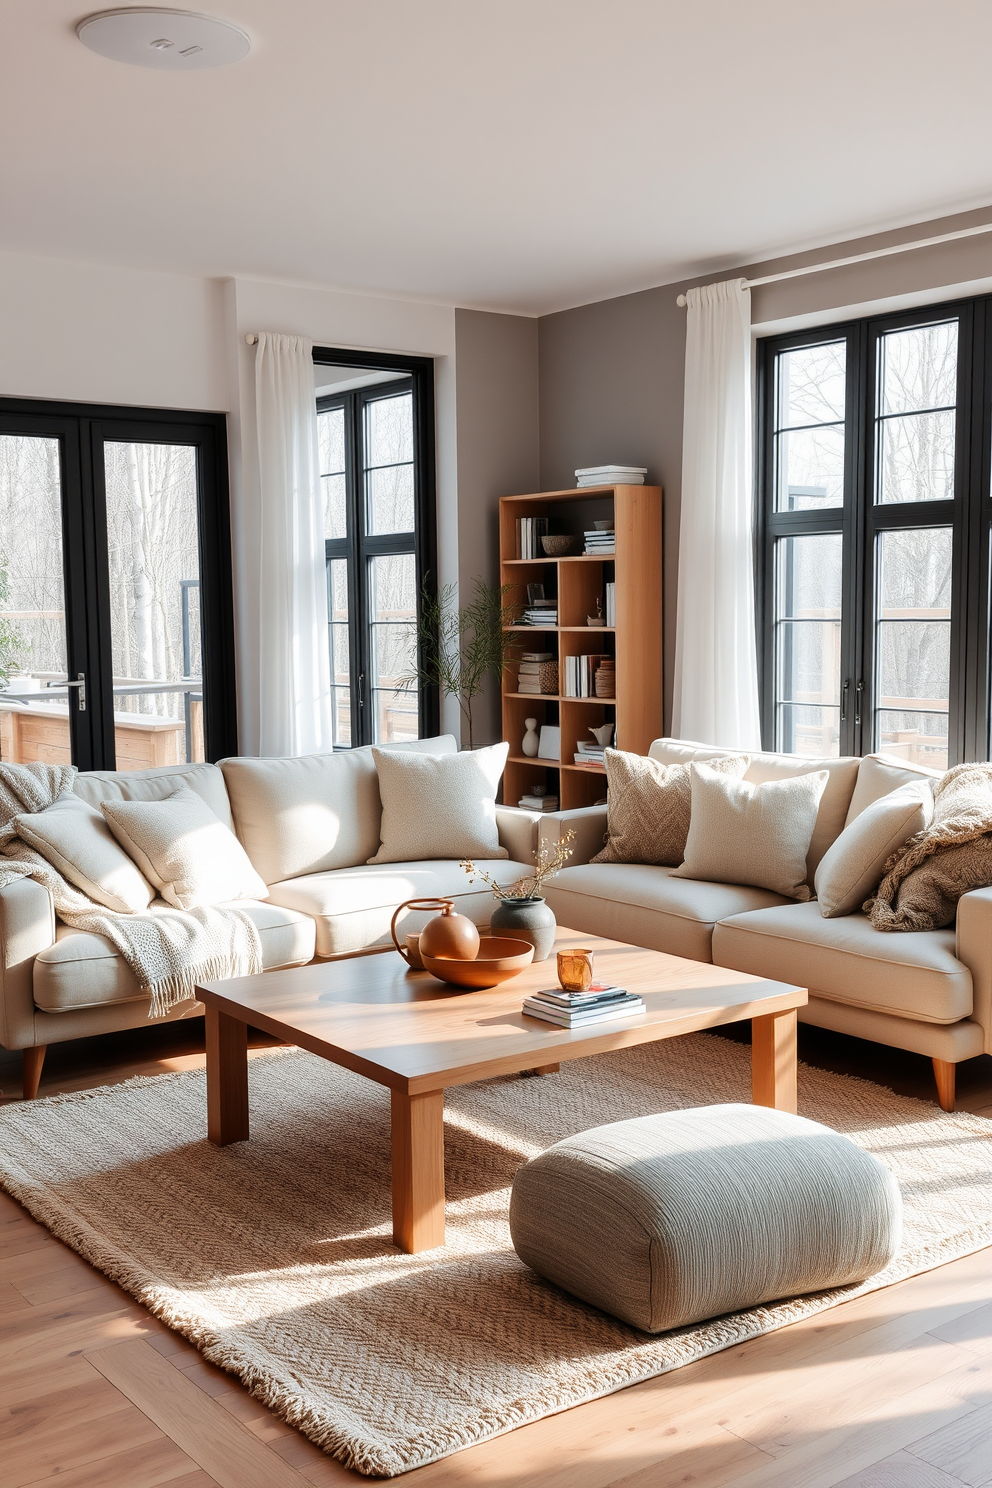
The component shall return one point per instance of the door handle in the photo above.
(857, 700)
(80, 686)
(843, 701)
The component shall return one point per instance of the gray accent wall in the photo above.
(496, 411)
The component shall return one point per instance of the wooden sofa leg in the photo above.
(944, 1073)
(34, 1059)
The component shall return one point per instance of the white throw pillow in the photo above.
(851, 870)
(744, 833)
(190, 856)
(76, 840)
(439, 806)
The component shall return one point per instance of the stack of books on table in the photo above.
(578, 1009)
(538, 672)
(593, 756)
(540, 612)
(606, 679)
(530, 530)
(601, 542)
(539, 803)
(611, 475)
(581, 674)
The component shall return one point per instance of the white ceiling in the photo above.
(509, 154)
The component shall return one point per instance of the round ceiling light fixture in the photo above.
(169, 40)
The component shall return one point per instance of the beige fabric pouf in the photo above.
(667, 1220)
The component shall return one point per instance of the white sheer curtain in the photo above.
(716, 672)
(289, 590)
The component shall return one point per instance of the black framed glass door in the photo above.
(116, 633)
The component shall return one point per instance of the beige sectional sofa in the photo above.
(307, 824)
(930, 992)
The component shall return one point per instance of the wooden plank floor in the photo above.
(893, 1390)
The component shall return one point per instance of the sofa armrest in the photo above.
(518, 832)
(27, 926)
(588, 824)
(974, 948)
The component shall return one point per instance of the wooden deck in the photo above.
(892, 1390)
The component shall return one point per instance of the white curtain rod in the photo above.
(855, 258)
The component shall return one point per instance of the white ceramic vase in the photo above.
(531, 741)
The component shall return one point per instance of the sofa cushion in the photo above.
(353, 906)
(182, 848)
(96, 786)
(83, 970)
(314, 812)
(851, 868)
(744, 833)
(842, 775)
(439, 806)
(649, 906)
(74, 837)
(879, 775)
(649, 807)
(914, 976)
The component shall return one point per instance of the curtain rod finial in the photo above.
(681, 302)
(251, 338)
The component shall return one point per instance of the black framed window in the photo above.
(377, 471)
(874, 525)
(116, 611)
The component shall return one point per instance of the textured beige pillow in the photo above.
(752, 834)
(439, 806)
(851, 870)
(648, 807)
(190, 856)
(76, 840)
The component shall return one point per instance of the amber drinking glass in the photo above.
(575, 970)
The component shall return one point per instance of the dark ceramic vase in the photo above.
(526, 919)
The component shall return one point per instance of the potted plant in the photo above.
(521, 911)
(458, 649)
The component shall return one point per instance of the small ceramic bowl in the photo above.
(604, 526)
(498, 960)
(556, 546)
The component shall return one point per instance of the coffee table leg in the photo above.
(227, 1078)
(418, 1170)
(773, 1060)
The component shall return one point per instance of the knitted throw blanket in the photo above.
(169, 950)
(927, 876)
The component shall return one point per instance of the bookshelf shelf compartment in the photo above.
(634, 641)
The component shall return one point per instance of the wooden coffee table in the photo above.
(413, 1034)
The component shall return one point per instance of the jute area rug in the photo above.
(274, 1256)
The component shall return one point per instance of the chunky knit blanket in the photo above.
(927, 876)
(169, 950)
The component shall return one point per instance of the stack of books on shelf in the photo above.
(577, 1009)
(611, 605)
(606, 679)
(530, 530)
(611, 475)
(592, 756)
(581, 673)
(604, 543)
(539, 803)
(538, 672)
(540, 612)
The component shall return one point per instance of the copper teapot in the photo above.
(447, 934)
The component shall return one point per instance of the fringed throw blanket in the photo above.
(927, 876)
(169, 950)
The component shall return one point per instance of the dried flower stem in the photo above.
(551, 857)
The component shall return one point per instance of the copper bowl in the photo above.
(498, 960)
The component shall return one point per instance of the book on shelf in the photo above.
(611, 475)
(539, 803)
(530, 530)
(526, 656)
(600, 542)
(587, 764)
(581, 673)
(539, 617)
(596, 751)
(611, 605)
(605, 680)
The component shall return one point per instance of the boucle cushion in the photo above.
(666, 1220)
(181, 847)
(76, 840)
(648, 807)
(752, 834)
(439, 806)
(852, 867)
(924, 880)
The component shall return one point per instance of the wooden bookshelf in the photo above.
(635, 641)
